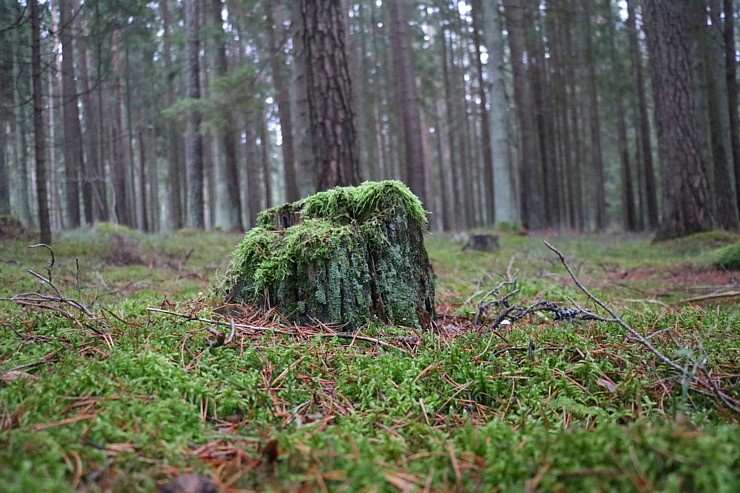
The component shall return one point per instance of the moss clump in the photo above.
(349, 255)
(727, 258)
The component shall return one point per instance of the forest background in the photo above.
(565, 114)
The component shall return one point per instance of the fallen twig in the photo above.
(615, 318)
(712, 296)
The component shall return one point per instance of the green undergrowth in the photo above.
(144, 397)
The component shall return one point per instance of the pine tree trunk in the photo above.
(686, 201)
(194, 212)
(732, 99)
(403, 68)
(38, 126)
(72, 144)
(505, 206)
(118, 159)
(282, 99)
(646, 168)
(331, 113)
(629, 218)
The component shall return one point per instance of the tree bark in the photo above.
(629, 214)
(647, 168)
(405, 75)
(282, 99)
(723, 187)
(72, 145)
(329, 90)
(686, 200)
(531, 196)
(118, 160)
(732, 99)
(193, 139)
(305, 163)
(38, 125)
(230, 167)
(505, 205)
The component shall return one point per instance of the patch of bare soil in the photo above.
(682, 280)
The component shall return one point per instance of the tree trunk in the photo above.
(230, 167)
(38, 125)
(405, 76)
(91, 138)
(329, 94)
(193, 138)
(505, 205)
(531, 196)
(255, 183)
(305, 163)
(596, 195)
(723, 187)
(118, 159)
(686, 201)
(172, 137)
(72, 145)
(732, 99)
(629, 217)
(282, 97)
(647, 169)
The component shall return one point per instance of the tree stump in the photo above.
(482, 243)
(348, 256)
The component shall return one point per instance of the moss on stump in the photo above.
(350, 255)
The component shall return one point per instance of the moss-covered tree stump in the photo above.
(350, 255)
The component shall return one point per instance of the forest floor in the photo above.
(131, 394)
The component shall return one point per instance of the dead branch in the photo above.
(615, 318)
(712, 296)
(45, 301)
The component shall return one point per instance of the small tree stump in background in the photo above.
(482, 243)
(350, 255)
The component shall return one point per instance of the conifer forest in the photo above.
(581, 115)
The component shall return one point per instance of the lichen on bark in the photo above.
(350, 256)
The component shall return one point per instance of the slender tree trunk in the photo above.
(597, 198)
(723, 187)
(647, 169)
(118, 159)
(282, 98)
(629, 214)
(686, 201)
(732, 99)
(6, 101)
(230, 167)
(174, 163)
(145, 223)
(255, 183)
(403, 67)
(329, 89)
(305, 163)
(20, 128)
(531, 199)
(38, 125)
(193, 138)
(72, 144)
(90, 139)
(505, 205)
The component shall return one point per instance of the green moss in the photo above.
(344, 255)
(727, 258)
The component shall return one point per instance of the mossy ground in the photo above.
(150, 399)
